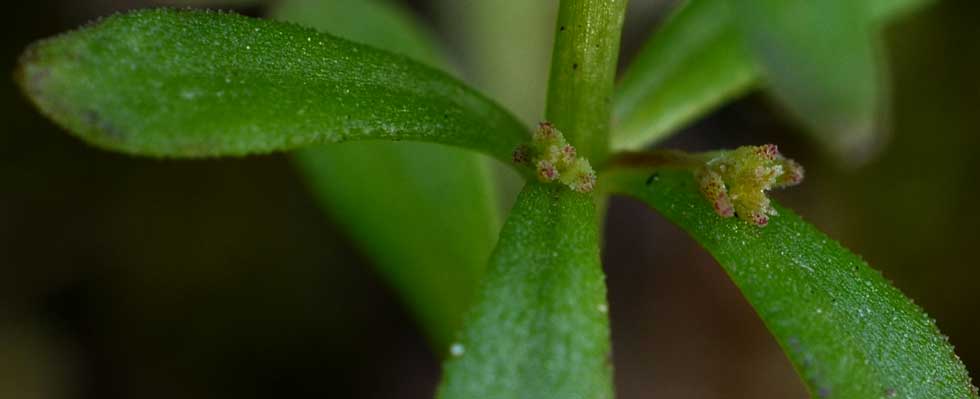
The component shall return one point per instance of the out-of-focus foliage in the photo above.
(445, 196)
(824, 67)
(819, 59)
(691, 65)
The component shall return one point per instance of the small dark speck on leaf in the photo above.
(823, 392)
(654, 177)
(562, 28)
(574, 66)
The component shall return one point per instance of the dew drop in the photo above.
(456, 349)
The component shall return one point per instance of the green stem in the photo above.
(660, 159)
(583, 70)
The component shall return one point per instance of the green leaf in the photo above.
(425, 215)
(884, 10)
(193, 84)
(539, 328)
(848, 332)
(507, 61)
(820, 60)
(695, 62)
(378, 23)
(433, 242)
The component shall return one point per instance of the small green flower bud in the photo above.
(736, 181)
(554, 159)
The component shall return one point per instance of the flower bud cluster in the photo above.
(554, 159)
(736, 181)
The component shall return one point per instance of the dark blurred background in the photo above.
(131, 278)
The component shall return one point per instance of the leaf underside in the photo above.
(182, 83)
(848, 332)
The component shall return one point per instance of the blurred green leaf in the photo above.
(848, 332)
(425, 215)
(539, 328)
(507, 61)
(433, 242)
(820, 60)
(696, 61)
(884, 10)
(193, 84)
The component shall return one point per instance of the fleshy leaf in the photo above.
(378, 23)
(820, 60)
(433, 242)
(539, 328)
(184, 83)
(692, 64)
(848, 332)
(428, 230)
